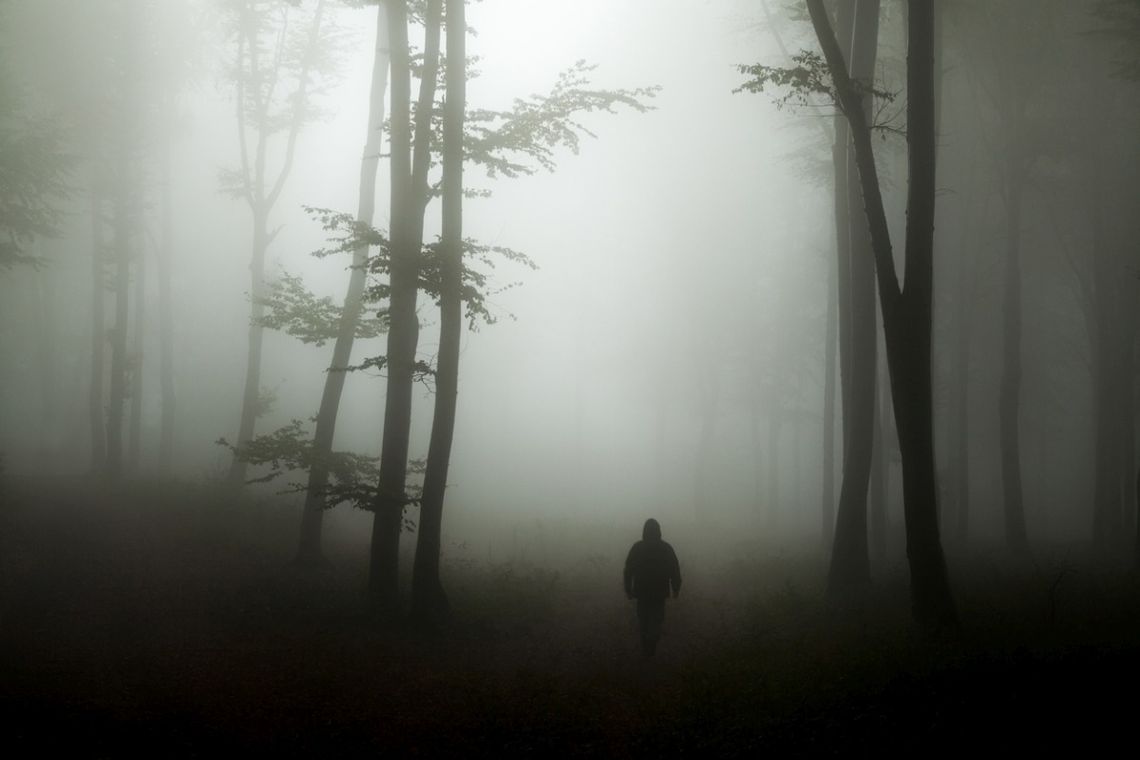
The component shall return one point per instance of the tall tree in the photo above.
(409, 196)
(124, 205)
(309, 548)
(267, 57)
(164, 260)
(906, 308)
(428, 598)
(96, 412)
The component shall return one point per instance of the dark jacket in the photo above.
(651, 569)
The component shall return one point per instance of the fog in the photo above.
(669, 354)
(671, 229)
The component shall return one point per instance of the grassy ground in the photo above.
(167, 619)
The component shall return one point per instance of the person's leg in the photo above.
(643, 618)
(650, 614)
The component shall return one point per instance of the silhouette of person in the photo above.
(651, 572)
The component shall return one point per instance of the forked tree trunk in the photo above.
(409, 198)
(906, 312)
(312, 517)
(429, 602)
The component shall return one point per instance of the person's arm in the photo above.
(674, 572)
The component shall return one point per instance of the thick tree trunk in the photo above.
(95, 406)
(166, 320)
(409, 196)
(312, 516)
(850, 564)
(1009, 404)
(906, 314)
(429, 602)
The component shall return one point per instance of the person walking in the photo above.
(651, 573)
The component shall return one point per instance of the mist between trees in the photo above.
(852, 280)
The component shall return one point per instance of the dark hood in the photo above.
(651, 531)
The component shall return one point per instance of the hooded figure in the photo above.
(651, 572)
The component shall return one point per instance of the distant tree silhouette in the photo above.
(269, 56)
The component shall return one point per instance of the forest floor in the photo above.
(167, 620)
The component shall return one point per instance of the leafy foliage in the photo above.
(293, 309)
(33, 179)
(808, 78)
(285, 54)
(522, 140)
(346, 235)
(290, 450)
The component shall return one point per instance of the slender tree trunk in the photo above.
(878, 507)
(1136, 506)
(116, 407)
(429, 602)
(1127, 416)
(409, 196)
(134, 442)
(757, 456)
(962, 402)
(309, 548)
(850, 562)
(701, 481)
(843, 216)
(1107, 504)
(831, 337)
(1009, 404)
(95, 405)
(262, 197)
(251, 393)
(166, 319)
(906, 313)
(774, 425)
(48, 342)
